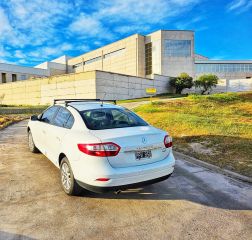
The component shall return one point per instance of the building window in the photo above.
(148, 58)
(23, 77)
(3, 77)
(77, 65)
(14, 77)
(114, 53)
(177, 48)
(223, 67)
(92, 60)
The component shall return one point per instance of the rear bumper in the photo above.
(86, 173)
(122, 187)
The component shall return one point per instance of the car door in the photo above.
(40, 130)
(61, 125)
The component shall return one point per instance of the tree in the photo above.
(206, 82)
(181, 82)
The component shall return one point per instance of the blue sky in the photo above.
(33, 31)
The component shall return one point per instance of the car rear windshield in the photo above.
(108, 118)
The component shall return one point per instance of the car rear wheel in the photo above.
(31, 143)
(70, 186)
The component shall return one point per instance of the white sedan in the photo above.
(100, 146)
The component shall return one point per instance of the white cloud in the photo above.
(132, 29)
(239, 6)
(31, 22)
(49, 52)
(44, 29)
(130, 15)
(19, 54)
(3, 52)
(87, 26)
(189, 23)
(5, 26)
(145, 11)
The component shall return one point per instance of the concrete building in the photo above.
(150, 60)
(91, 85)
(162, 52)
(227, 69)
(13, 73)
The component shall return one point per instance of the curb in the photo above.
(209, 166)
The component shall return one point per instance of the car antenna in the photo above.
(103, 99)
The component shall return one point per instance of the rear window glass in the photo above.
(108, 118)
(48, 114)
(63, 118)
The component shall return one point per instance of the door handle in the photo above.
(58, 139)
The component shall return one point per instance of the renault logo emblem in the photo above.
(144, 140)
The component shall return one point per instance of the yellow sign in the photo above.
(151, 90)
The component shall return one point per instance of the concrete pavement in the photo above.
(194, 203)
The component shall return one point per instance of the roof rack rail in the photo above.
(67, 101)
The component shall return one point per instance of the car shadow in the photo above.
(13, 236)
(180, 186)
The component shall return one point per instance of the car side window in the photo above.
(49, 114)
(63, 118)
(70, 122)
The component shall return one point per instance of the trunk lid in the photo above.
(134, 140)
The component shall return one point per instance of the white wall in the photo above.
(118, 86)
(4, 67)
(224, 85)
(237, 85)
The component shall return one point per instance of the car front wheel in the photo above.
(70, 186)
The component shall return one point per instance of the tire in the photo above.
(31, 144)
(69, 184)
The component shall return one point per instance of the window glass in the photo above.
(14, 77)
(77, 65)
(177, 48)
(148, 58)
(114, 53)
(49, 114)
(99, 119)
(70, 122)
(62, 117)
(230, 67)
(92, 60)
(23, 77)
(3, 77)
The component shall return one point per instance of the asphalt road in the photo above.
(194, 203)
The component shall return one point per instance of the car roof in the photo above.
(82, 106)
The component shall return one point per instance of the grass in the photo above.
(156, 97)
(215, 128)
(23, 106)
(14, 113)
(6, 120)
(21, 109)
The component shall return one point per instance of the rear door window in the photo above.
(63, 118)
(49, 114)
(70, 122)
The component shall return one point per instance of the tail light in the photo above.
(108, 149)
(102, 179)
(168, 141)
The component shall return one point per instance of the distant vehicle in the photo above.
(100, 146)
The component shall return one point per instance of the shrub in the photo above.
(206, 82)
(181, 82)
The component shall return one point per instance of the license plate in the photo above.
(143, 154)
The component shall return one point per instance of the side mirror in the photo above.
(34, 118)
